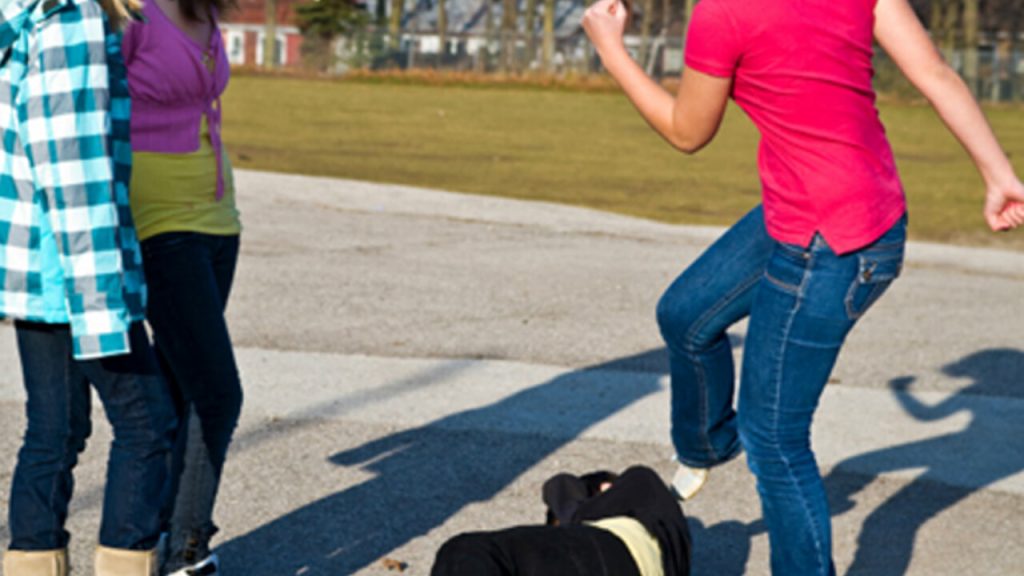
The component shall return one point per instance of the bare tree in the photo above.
(645, 31)
(666, 17)
(442, 30)
(270, 34)
(549, 36)
(531, 30)
(1004, 18)
(509, 20)
(395, 24)
(971, 30)
(937, 22)
(949, 22)
(483, 53)
(688, 13)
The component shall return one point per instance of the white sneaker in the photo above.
(687, 481)
(208, 567)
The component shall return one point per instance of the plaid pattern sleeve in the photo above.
(73, 111)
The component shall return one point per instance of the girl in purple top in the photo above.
(826, 243)
(182, 197)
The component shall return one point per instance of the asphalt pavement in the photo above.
(418, 362)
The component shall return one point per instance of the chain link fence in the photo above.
(999, 77)
(489, 54)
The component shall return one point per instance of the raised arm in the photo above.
(903, 37)
(690, 120)
(919, 410)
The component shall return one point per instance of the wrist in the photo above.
(611, 49)
(613, 55)
(1000, 179)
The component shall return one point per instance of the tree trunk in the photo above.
(589, 54)
(937, 26)
(971, 45)
(549, 36)
(949, 28)
(531, 30)
(442, 31)
(509, 19)
(483, 54)
(935, 17)
(1017, 12)
(666, 17)
(686, 22)
(645, 32)
(395, 25)
(270, 33)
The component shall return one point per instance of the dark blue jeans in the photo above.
(802, 302)
(189, 277)
(139, 408)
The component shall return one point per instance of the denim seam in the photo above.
(778, 394)
(876, 289)
(702, 387)
(57, 527)
(695, 359)
(722, 303)
(878, 285)
(794, 290)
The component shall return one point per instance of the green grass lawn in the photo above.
(584, 148)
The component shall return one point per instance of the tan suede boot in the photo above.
(118, 562)
(41, 563)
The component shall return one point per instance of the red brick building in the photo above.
(244, 29)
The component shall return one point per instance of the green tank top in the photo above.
(178, 192)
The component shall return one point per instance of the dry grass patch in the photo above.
(583, 147)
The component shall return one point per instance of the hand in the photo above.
(605, 24)
(1004, 206)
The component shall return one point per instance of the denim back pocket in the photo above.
(787, 267)
(876, 271)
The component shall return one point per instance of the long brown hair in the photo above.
(195, 10)
(118, 11)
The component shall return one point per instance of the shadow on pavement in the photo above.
(426, 475)
(977, 456)
(723, 549)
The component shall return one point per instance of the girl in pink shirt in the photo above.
(823, 246)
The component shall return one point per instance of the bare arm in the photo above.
(903, 37)
(690, 120)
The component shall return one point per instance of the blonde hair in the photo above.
(119, 11)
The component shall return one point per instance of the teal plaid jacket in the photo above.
(68, 249)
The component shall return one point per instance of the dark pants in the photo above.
(576, 550)
(189, 277)
(137, 403)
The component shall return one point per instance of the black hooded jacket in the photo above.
(639, 494)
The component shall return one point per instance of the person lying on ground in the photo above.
(597, 524)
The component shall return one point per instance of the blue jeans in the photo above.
(189, 277)
(138, 405)
(802, 302)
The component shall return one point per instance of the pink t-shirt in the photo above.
(802, 71)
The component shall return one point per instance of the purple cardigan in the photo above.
(174, 81)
